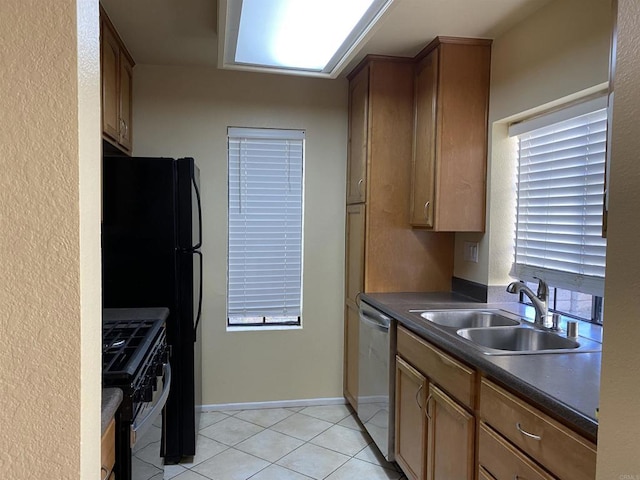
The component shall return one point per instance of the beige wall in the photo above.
(619, 433)
(558, 51)
(186, 111)
(49, 246)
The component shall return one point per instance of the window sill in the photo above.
(254, 328)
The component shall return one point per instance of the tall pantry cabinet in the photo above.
(383, 252)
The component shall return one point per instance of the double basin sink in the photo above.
(496, 332)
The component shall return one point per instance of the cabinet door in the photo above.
(424, 142)
(351, 334)
(125, 102)
(110, 52)
(411, 421)
(108, 449)
(450, 448)
(354, 274)
(358, 137)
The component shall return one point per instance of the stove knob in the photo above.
(154, 383)
(148, 393)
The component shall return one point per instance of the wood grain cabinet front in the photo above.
(561, 451)
(502, 460)
(358, 137)
(108, 452)
(116, 74)
(411, 420)
(351, 354)
(383, 253)
(435, 433)
(451, 105)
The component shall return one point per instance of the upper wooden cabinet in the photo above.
(391, 256)
(449, 165)
(116, 66)
(358, 125)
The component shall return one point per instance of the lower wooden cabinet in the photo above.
(450, 438)
(452, 425)
(411, 420)
(108, 452)
(562, 452)
(502, 460)
(484, 475)
(351, 353)
(435, 434)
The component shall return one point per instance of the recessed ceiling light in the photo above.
(302, 36)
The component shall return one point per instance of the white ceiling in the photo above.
(183, 32)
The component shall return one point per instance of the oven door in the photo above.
(150, 411)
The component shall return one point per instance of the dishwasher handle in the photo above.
(374, 318)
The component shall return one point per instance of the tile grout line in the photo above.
(374, 462)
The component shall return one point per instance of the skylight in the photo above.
(299, 35)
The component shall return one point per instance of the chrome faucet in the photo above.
(539, 300)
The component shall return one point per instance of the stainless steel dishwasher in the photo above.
(376, 377)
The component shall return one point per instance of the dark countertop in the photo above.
(565, 386)
(111, 399)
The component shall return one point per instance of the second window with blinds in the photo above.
(561, 166)
(266, 178)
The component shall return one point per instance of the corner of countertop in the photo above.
(111, 400)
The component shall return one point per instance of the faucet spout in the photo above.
(539, 300)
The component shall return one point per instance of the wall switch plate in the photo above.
(471, 252)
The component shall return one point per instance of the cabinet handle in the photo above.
(124, 128)
(418, 394)
(106, 471)
(527, 434)
(360, 182)
(426, 211)
(427, 404)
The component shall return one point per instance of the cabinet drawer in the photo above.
(108, 448)
(563, 452)
(451, 375)
(503, 461)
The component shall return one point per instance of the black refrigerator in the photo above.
(151, 239)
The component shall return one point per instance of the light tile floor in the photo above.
(323, 442)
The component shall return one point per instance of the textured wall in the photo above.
(561, 49)
(186, 111)
(619, 433)
(40, 245)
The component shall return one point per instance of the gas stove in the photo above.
(135, 359)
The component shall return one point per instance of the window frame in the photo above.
(574, 110)
(262, 320)
(597, 305)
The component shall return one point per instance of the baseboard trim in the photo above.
(305, 402)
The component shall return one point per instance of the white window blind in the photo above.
(560, 197)
(265, 225)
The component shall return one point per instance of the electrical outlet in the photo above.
(471, 252)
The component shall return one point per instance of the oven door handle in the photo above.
(140, 427)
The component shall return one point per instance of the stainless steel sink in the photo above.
(523, 340)
(469, 318)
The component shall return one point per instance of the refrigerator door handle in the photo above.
(198, 316)
(195, 187)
